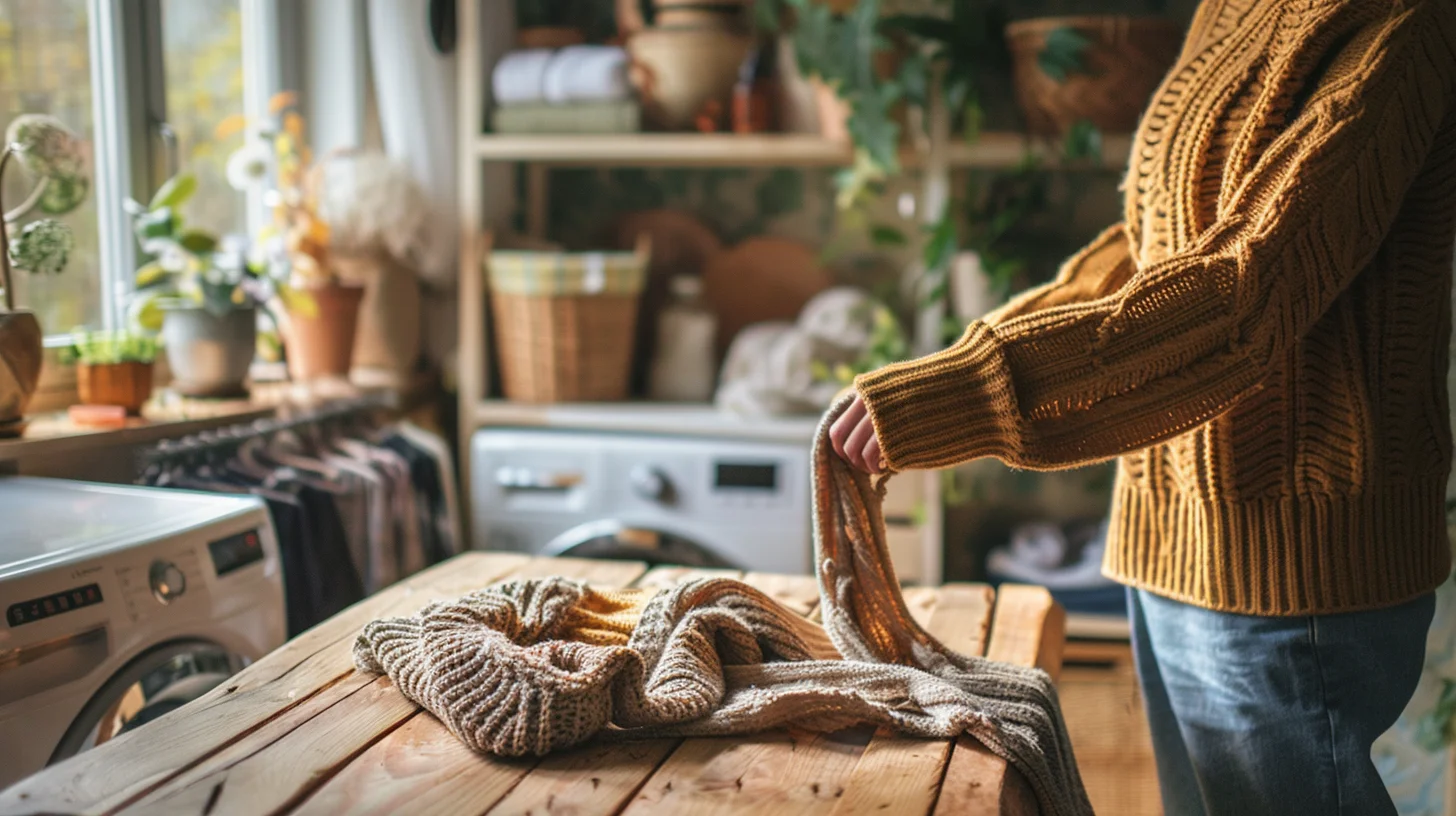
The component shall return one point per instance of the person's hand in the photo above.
(853, 435)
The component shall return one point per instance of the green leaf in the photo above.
(943, 243)
(149, 274)
(1061, 54)
(146, 312)
(175, 192)
(887, 236)
(926, 27)
(158, 223)
(297, 301)
(914, 78)
(873, 128)
(1083, 141)
(198, 242)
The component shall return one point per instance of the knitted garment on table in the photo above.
(1263, 341)
(531, 666)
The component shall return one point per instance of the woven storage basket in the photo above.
(565, 322)
(1123, 63)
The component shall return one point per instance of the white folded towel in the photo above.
(519, 77)
(587, 73)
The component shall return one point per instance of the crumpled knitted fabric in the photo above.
(538, 665)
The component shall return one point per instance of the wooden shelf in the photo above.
(54, 433)
(676, 419)
(767, 150)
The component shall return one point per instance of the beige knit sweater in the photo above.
(532, 666)
(1263, 341)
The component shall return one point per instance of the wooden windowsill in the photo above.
(53, 432)
(169, 416)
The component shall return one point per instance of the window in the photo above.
(180, 73)
(203, 69)
(45, 67)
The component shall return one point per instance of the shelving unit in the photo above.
(644, 417)
(539, 153)
(990, 150)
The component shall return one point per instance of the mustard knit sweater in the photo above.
(1263, 340)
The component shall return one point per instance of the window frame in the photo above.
(129, 121)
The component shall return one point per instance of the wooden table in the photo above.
(301, 732)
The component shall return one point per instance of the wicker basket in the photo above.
(1125, 60)
(565, 322)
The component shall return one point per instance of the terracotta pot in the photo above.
(209, 354)
(388, 338)
(126, 384)
(322, 344)
(549, 37)
(20, 358)
(679, 71)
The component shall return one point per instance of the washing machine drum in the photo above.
(616, 541)
(156, 682)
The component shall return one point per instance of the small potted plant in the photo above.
(322, 316)
(201, 293)
(113, 368)
(52, 155)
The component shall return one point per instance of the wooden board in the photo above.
(116, 773)
(904, 774)
(1027, 629)
(302, 732)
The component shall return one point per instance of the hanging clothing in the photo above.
(354, 510)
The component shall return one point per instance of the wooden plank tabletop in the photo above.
(301, 732)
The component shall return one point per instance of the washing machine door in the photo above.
(617, 541)
(159, 680)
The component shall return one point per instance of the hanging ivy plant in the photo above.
(1061, 54)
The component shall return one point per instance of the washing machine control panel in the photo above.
(167, 581)
(162, 581)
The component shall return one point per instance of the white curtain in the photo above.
(414, 87)
(415, 95)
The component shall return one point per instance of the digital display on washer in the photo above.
(747, 475)
(236, 552)
(40, 608)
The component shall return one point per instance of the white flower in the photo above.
(250, 166)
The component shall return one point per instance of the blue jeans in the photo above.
(1254, 715)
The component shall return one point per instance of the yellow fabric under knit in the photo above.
(1263, 340)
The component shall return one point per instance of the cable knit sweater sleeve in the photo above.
(1056, 381)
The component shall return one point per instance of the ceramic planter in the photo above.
(209, 354)
(322, 344)
(20, 359)
(126, 384)
(388, 336)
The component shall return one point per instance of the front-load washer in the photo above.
(661, 499)
(121, 604)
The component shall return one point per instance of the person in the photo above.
(1263, 342)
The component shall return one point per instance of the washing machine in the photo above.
(661, 499)
(120, 605)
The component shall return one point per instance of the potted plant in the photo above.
(201, 293)
(1090, 68)
(113, 368)
(384, 235)
(52, 154)
(322, 313)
